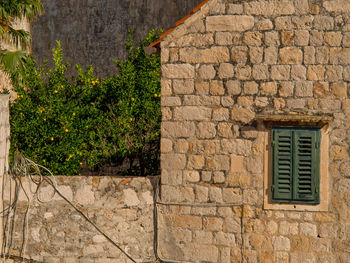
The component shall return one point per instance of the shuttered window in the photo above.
(295, 165)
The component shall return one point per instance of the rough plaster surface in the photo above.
(94, 31)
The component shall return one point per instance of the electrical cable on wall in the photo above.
(26, 168)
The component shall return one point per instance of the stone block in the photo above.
(268, 88)
(206, 130)
(309, 55)
(235, 9)
(272, 38)
(261, 101)
(239, 54)
(202, 237)
(283, 23)
(288, 228)
(232, 195)
(333, 39)
(301, 37)
(256, 54)
(202, 87)
(224, 239)
(166, 87)
(195, 162)
(241, 114)
(334, 73)
(233, 87)
(217, 87)
(214, 54)
(308, 229)
(223, 38)
(173, 161)
(229, 23)
(193, 40)
(264, 24)
(226, 70)
(166, 114)
(201, 253)
(298, 72)
(259, 241)
(290, 55)
(167, 101)
(270, 55)
(219, 177)
(286, 89)
(227, 101)
(269, 8)
(178, 71)
(212, 223)
(215, 194)
(287, 38)
(252, 38)
(192, 176)
(166, 145)
(340, 56)
(237, 164)
(201, 100)
(238, 179)
(260, 72)
(86, 196)
(206, 176)
(323, 22)
(339, 89)
(250, 88)
(280, 72)
(243, 72)
(181, 146)
(322, 55)
(207, 72)
(281, 243)
(338, 152)
(201, 193)
(184, 221)
(315, 72)
(197, 113)
(178, 129)
(303, 89)
(321, 89)
(225, 130)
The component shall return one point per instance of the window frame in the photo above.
(265, 122)
(286, 192)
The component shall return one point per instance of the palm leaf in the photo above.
(13, 63)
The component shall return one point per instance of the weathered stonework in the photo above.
(121, 207)
(271, 58)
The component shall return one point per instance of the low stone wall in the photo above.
(121, 207)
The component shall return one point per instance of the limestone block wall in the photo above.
(228, 64)
(121, 207)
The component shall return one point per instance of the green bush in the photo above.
(66, 125)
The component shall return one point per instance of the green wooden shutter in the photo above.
(282, 165)
(306, 165)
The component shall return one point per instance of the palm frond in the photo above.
(13, 63)
(18, 38)
(20, 8)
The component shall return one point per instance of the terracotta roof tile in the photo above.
(198, 7)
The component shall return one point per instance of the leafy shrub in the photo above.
(86, 122)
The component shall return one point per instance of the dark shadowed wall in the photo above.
(94, 31)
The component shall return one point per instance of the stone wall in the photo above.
(227, 65)
(121, 207)
(94, 32)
